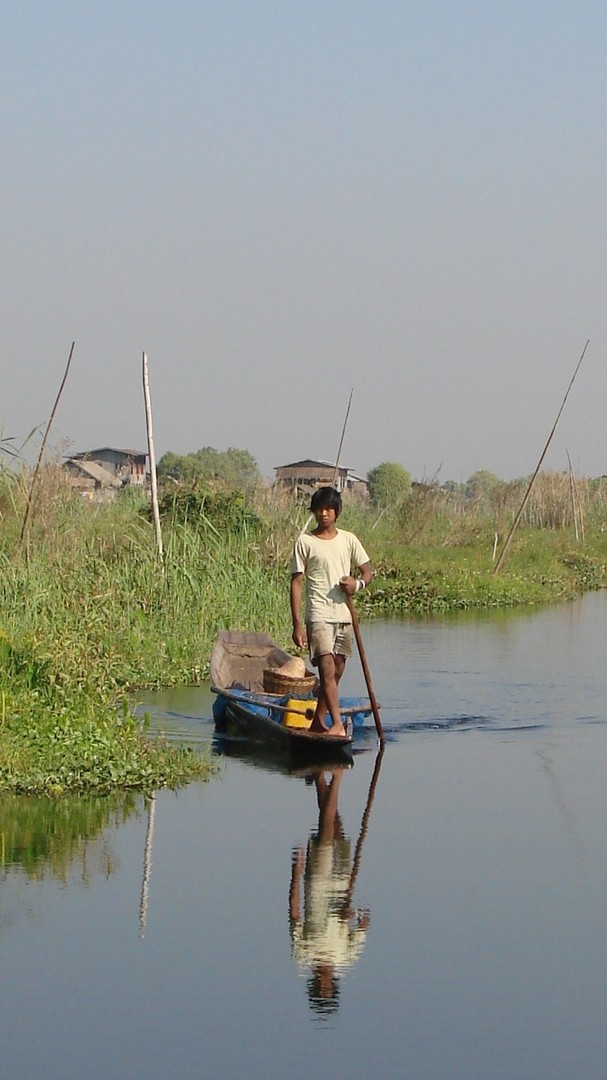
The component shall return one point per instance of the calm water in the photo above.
(450, 922)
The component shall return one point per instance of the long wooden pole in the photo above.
(500, 561)
(365, 667)
(43, 445)
(151, 454)
(352, 609)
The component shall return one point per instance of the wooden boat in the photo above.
(238, 662)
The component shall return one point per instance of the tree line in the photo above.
(390, 483)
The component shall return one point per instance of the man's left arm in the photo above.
(350, 584)
(366, 572)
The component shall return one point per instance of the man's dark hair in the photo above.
(326, 498)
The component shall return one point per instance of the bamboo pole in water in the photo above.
(151, 455)
(42, 447)
(500, 561)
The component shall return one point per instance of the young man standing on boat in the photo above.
(324, 559)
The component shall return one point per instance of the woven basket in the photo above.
(274, 682)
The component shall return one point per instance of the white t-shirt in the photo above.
(324, 563)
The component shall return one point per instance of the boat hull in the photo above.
(259, 717)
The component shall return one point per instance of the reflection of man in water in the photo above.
(331, 936)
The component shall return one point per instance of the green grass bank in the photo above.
(89, 613)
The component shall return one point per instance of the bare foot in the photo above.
(318, 727)
(338, 730)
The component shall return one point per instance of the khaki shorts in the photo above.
(326, 638)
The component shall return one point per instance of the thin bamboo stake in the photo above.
(500, 561)
(495, 543)
(381, 514)
(341, 441)
(336, 468)
(151, 455)
(572, 494)
(42, 447)
(578, 514)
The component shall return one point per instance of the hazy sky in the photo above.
(282, 200)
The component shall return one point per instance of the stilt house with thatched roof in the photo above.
(303, 477)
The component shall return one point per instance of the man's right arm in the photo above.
(299, 630)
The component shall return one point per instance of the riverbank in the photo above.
(89, 612)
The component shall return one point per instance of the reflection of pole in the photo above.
(147, 866)
(363, 831)
(568, 816)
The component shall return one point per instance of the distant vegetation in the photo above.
(389, 483)
(232, 470)
(89, 613)
(436, 548)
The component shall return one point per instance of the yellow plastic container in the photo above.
(299, 713)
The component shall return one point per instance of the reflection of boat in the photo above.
(263, 755)
(238, 662)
